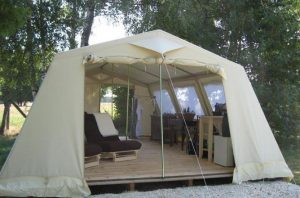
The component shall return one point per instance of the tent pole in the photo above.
(112, 93)
(127, 105)
(161, 125)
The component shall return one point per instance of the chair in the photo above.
(172, 126)
(112, 146)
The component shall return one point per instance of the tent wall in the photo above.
(91, 97)
(256, 152)
(47, 157)
(144, 111)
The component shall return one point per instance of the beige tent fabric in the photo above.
(256, 152)
(91, 97)
(47, 158)
(151, 61)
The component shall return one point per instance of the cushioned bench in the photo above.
(109, 144)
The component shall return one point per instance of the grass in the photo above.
(292, 157)
(291, 154)
(6, 143)
(16, 120)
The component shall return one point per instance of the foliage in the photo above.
(13, 16)
(78, 16)
(280, 103)
(120, 105)
(25, 55)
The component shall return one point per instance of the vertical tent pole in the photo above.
(161, 125)
(112, 92)
(127, 105)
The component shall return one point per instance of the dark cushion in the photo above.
(92, 132)
(91, 149)
(124, 145)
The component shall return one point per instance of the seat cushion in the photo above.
(125, 145)
(92, 132)
(91, 149)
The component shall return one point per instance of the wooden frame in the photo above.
(120, 155)
(92, 161)
(210, 121)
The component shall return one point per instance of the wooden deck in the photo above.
(147, 167)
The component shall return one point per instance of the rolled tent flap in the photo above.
(214, 68)
(47, 157)
(256, 151)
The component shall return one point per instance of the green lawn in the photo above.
(16, 119)
(6, 143)
(292, 157)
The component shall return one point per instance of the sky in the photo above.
(103, 30)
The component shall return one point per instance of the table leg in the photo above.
(201, 137)
(210, 139)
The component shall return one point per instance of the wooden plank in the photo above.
(210, 139)
(131, 186)
(154, 179)
(201, 137)
(190, 182)
(120, 155)
(91, 161)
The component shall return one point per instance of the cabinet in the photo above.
(223, 154)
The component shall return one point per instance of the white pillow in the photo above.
(105, 124)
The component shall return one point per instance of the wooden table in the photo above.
(210, 121)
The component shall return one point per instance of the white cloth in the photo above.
(105, 124)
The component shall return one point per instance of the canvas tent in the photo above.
(47, 157)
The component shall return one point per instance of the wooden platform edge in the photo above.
(156, 179)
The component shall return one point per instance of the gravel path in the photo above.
(276, 189)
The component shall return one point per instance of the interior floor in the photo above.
(148, 167)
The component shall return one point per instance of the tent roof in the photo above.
(144, 53)
(154, 44)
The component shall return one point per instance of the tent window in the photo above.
(187, 98)
(168, 106)
(215, 93)
(106, 100)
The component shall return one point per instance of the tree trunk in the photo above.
(5, 118)
(73, 25)
(29, 49)
(90, 6)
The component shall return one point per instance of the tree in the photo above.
(26, 54)
(79, 18)
(120, 104)
(13, 16)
